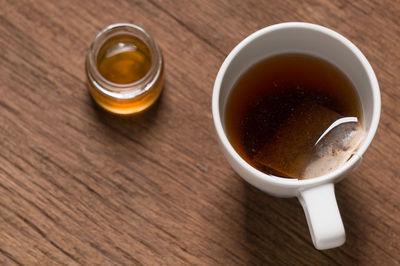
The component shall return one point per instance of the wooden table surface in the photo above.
(80, 186)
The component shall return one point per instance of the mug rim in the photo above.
(331, 176)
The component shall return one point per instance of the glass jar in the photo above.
(124, 69)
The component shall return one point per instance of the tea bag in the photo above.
(313, 141)
(334, 147)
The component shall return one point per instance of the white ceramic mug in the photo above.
(316, 195)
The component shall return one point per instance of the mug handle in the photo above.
(323, 216)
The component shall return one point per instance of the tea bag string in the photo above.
(335, 124)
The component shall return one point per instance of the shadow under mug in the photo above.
(316, 195)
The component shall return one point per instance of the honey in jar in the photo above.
(125, 69)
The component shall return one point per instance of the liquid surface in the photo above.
(124, 60)
(280, 108)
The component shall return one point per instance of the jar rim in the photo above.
(132, 89)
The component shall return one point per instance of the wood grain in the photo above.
(81, 187)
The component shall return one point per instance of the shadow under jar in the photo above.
(124, 68)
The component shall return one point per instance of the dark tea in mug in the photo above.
(294, 116)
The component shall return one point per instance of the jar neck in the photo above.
(130, 90)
